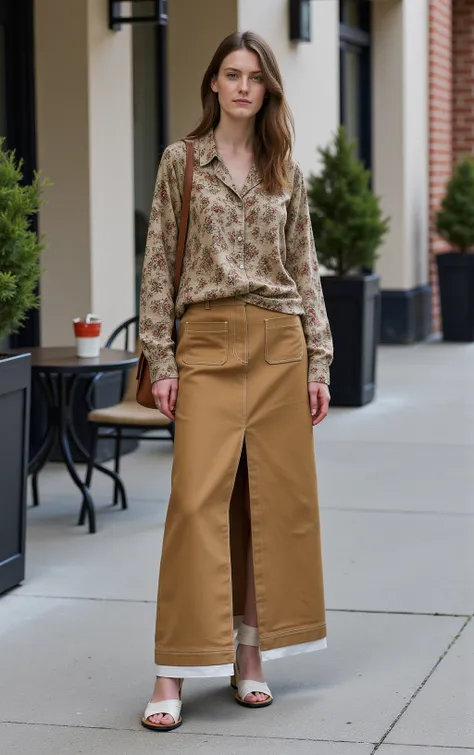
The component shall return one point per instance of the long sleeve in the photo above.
(302, 265)
(157, 295)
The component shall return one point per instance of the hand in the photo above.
(165, 393)
(319, 398)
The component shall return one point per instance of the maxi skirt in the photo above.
(242, 413)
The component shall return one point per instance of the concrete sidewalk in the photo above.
(397, 502)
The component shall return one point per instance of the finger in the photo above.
(322, 411)
(165, 409)
(173, 397)
(315, 411)
(163, 404)
(313, 402)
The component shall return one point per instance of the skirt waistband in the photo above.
(229, 301)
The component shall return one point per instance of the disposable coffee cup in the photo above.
(87, 334)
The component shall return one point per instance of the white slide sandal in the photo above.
(248, 635)
(170, 707)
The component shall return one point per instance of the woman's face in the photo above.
(239, 84)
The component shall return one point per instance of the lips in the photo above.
(242, 102)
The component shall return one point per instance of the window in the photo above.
(355, 74)
(3, 88)
(17, 111)
(150, 124)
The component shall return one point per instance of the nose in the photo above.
(244, 86)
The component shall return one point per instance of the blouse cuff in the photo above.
(318, 373)
(164, 369)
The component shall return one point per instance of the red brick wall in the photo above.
(463, 77)
(441, 124)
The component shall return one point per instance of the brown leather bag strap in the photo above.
(183, 223)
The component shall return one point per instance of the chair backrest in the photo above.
(126, 337)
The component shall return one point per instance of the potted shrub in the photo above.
(455, 223)
(348, 229)
(19, 273)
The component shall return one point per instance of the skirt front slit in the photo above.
(242, 419)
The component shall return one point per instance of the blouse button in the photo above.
(241, 267)
(239, 238)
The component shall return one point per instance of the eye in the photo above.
(232, 76)
(258, 78)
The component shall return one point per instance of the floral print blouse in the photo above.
(249, 244)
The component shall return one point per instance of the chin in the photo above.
(244, 115)
(241, 113)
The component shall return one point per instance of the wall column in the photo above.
(85, 147)
(400, 112)
(441, 131)
(194, 31)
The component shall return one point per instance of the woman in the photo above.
(250, 378)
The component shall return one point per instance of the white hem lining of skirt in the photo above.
(227, 669)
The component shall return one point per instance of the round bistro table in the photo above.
(57, 369)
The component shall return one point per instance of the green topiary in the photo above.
(19, 246)
(345, 214)
(455, 220)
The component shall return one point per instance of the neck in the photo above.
(235, 135)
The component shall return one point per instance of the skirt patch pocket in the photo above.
(284, 340)
(205, 343)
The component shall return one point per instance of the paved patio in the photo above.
(397, 500)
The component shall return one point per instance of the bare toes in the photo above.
(161, 718)
(156, 719)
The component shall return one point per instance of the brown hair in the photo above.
(274, 126)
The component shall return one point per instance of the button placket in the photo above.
(240, 239)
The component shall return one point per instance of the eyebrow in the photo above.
(237, 70)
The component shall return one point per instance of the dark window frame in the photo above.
(162, 78)
(358, 40)
(18, 21)
(365, 16)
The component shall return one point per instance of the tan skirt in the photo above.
(242, 409)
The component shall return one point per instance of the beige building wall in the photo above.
(85, 123)
(400, 138)
(416, 74)
(310, 70)
(85, 147)
(63, 145)
(194, 31)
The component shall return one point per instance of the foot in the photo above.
(250, 667)
(165, 689)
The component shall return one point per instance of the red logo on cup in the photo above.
(87, 329)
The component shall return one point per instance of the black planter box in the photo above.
(15, 374)
(353, 307)
(456, 289)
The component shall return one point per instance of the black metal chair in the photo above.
(126, 419)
